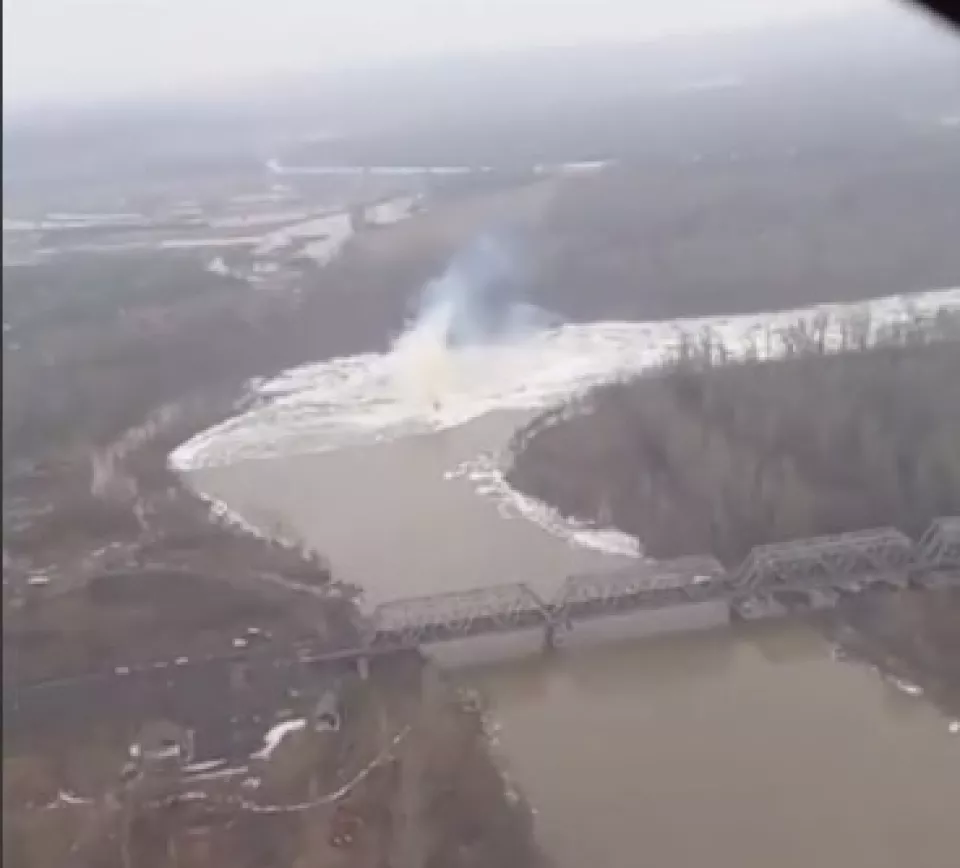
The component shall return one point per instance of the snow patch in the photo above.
(275, 735)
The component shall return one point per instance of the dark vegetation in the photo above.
(126, 333)
(723, 236)
(706, 457)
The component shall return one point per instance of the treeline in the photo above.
(708, 456)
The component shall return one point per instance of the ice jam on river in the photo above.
(424, 384)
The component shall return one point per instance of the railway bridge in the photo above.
(486, 625)
(666, 595)
(510, 620)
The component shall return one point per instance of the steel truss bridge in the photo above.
(848, 562)
(844, 562)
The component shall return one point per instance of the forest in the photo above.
(711, 454)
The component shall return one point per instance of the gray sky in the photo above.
(56, 49)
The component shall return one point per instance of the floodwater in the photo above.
(747, 747)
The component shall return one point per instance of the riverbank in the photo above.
(407, 772)
(911, 638)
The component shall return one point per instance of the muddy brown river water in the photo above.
(749, 747)
(733, 749)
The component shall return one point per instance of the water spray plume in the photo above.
(476, 301)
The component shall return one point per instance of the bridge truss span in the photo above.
(940, 545)
(457, 614)
(658, 583)
(825, 560)
(845, 562)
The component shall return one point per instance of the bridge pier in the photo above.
(488, 648)
(550, 637)
(640, 623)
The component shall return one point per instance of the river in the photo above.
(729, 749)
(404, 518)
(741, 747)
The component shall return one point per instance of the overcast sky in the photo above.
(56, 49)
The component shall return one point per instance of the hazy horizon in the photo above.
(87, 51)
